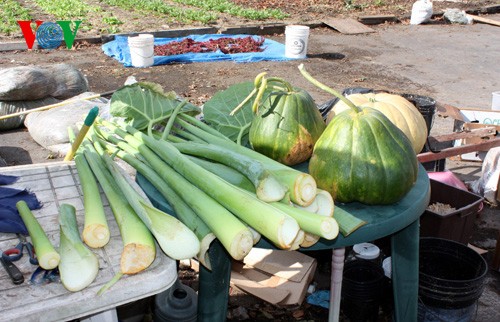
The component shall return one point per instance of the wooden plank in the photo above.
(449, 152)
(466, 134)
(485, 20)
(347, 26)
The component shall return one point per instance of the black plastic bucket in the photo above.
(451, 275)
(177, 304)
(426, 105)
(362, 290)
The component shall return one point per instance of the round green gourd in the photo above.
(362, 156)
(287, 126)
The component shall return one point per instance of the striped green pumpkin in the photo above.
(287, 126)
(362, 156)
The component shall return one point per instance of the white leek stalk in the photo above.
(79, 265)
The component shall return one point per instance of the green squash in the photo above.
(362, 156)
(287, 126)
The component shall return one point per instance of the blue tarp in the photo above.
(273, 50)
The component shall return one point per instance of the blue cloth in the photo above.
(320, 298)
(5, 179)
(10, 220)
(273, 50)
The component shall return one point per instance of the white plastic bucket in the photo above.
(141, 50)
(296, 38)
(366, 251)
(495, 101)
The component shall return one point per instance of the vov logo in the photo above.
(49, 35)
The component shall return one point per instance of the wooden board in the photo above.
(347, 26)
(485, 20)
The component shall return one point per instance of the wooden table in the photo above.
(53, 184)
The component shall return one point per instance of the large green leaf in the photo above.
(146, 104)
(216, 111)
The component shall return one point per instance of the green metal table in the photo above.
(400, 221)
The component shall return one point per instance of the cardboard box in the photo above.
(277, 276)
(491, 117)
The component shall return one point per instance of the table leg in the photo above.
(213, 294)
(404, 257)
(338, 256)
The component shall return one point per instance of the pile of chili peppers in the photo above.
(227, 45)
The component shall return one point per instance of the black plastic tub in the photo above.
(451, 275)
(362, 290)
(426, 105)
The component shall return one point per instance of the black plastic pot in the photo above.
(451, 274)
(362, 290)
(177, 304)
(426, 105)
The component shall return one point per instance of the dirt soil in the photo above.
(339, 64)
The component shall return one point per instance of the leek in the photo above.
(326, 205)
(48, 257)
(346, 221)
(313, 207)
(79, 265)
(322, 226)
(182, 210)
(349, 222)
(236, 238)
(310, 222)
(276, 225)
(299, 239)
(175, 239)
(267, 186)
(139, 249)
(302, 186)
(227, 173)
(95, 230)
(309, 240)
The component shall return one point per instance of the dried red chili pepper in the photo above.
(226, 45)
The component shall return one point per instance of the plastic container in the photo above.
(362, 290)
(495, 101)
(141, 50)
(456, 225)
(387, 266)
(177, 304)
(367, 251)
(387, 303)
(451, 280)
(426, 105)
(296, 39)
